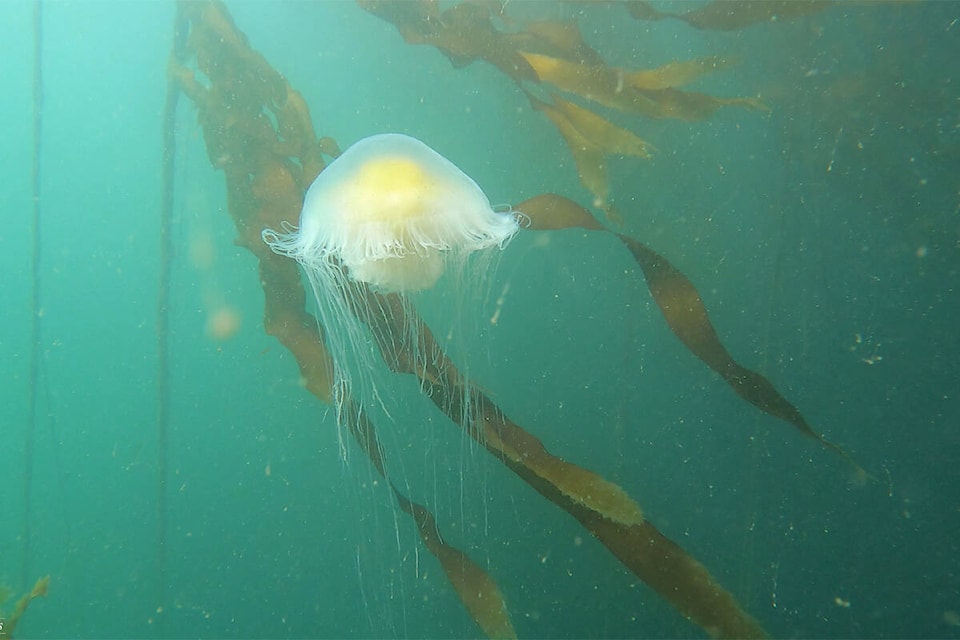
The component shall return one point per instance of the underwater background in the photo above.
(824, 238)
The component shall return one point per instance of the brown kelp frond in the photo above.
(685, 314)
(590, 139)
(555, 53)
(628, 91)
(602, 507)
(10, 621)
(678, 73)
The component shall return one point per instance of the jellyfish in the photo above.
(382, 222)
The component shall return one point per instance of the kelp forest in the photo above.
(376, 357)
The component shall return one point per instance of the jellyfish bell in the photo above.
(393, 212)
(387, 218)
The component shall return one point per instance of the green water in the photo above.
(824, 238)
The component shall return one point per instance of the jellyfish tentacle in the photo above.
(477, 590)
(265, 189)
(302, 335)
(467, 406)
(602, 507)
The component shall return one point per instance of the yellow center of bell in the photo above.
(390, 189)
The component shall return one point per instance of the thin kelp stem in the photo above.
(163, 298)
(36, 351)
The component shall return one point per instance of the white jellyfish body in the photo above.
(392, 211)
(389, 214)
